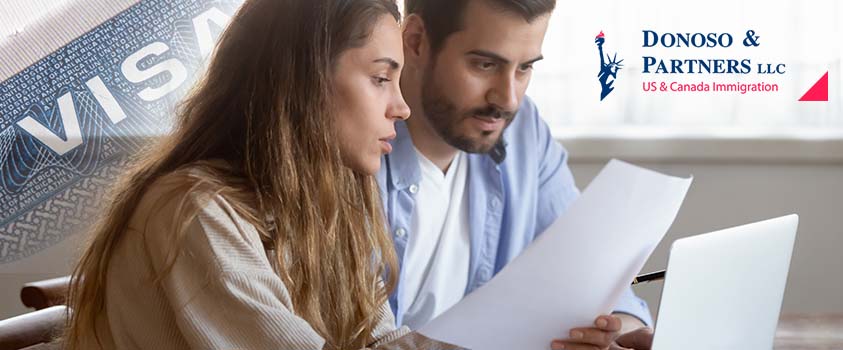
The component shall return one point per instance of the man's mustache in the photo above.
(493, 112)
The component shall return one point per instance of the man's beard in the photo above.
(443, 116)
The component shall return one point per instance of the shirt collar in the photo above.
(498, 152)
(404, 163)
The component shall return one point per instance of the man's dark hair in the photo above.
(444, 17)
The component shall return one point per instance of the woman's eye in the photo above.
(380, 80)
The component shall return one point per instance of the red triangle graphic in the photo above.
(818, 92)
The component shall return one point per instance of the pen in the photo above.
(649, 277)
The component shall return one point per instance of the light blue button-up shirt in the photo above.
(511, 200)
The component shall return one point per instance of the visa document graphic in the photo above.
(576, 270)
(70, 119)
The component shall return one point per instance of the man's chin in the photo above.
(482, 144)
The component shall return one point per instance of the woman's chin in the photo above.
(367, 167)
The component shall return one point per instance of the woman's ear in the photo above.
(416, 43)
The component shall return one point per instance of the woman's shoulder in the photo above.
(194, 178)
(168, 192)
(187, 203)
(190, 193)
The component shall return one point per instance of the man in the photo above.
(475, 174)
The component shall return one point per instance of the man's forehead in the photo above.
(492, 29)
(480, 12)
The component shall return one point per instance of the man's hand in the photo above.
(606, 335)
(639, 339)
(600, 337)
(629, 323)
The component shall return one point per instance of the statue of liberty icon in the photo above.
(607, 70)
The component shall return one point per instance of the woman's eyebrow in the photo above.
(393, 64)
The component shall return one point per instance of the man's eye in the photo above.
(486, 65)
(526, 67)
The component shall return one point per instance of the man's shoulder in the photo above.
(529, 110)
(528, 106)
(527, 129)
(527, 120)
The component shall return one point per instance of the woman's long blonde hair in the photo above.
(264, 106)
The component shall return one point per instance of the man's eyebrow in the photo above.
(499, 58)
(534, 60)
(394, 65)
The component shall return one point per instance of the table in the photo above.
(810, 332)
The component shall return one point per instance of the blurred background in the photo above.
(753, 156)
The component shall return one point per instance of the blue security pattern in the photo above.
(46, 196)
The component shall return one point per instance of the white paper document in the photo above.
(573, 272)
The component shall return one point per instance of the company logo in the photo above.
(609, 67)
(738, 72)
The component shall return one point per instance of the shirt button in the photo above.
(494, 203)
(401, 232)
(414, 188)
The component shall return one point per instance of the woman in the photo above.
(257, 223)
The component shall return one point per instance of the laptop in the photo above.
(723, 290)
